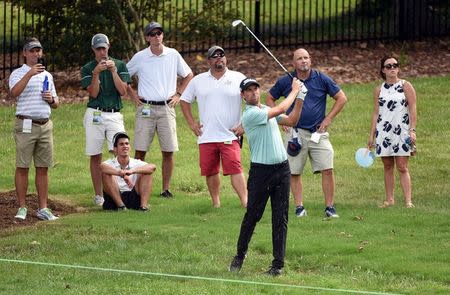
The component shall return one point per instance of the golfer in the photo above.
(269, 174)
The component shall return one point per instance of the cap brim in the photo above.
(104, 45)
(250, 84)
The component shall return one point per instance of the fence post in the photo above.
(257, 46)
(402, 20)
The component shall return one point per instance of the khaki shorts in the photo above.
(38, 145)
(321, 154)
(162, 120)
(97, 133)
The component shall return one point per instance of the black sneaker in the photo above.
(144, 209)
(166, 194)
(122, 208)
(300, 211)
(236, 264)
(273, 271)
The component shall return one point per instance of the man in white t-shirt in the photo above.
(219, 129)
(35, 92)
(157, 68)
(127, 182)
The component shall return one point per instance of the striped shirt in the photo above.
(30, 102)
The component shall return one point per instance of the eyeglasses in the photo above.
(218, 54)
(391, 66)
(153, 34)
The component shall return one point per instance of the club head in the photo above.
(236, 22)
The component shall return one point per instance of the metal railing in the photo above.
(278, 23)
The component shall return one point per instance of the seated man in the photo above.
(127, 182)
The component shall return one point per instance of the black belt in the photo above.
(155, 103)
(35, 121)
(276, 166)
(113, 110)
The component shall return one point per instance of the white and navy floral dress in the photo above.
(393, 121)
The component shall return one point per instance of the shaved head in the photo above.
(301, 61)
(300, 52)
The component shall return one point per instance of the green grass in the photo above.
(393, 250)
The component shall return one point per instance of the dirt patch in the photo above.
(9, 206)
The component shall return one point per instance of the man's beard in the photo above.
(219, 66)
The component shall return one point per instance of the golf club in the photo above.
(240, 22)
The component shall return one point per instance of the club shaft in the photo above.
(268, 51)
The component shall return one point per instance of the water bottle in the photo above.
(45, 84)
(412, 146)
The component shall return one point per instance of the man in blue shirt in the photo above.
(312, 127)
(269, 170)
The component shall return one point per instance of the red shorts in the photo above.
(212, 153)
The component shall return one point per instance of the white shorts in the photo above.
(97, 133)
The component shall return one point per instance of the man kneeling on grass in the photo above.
(127, 182)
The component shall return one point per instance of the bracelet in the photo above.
(178, 93)
(52, 102)
(412, 129)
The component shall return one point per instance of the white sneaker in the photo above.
(45, 214)
(99, 200)
(21, 213)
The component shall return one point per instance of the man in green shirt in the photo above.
(106, 80)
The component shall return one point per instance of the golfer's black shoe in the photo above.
(273, 271)
(236, 264)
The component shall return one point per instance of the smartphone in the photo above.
(42, 61)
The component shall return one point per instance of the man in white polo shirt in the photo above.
(157, 68)
(35, 92)
(219, 106)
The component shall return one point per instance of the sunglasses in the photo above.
(218, 54)
(391, 66)
(153, 34)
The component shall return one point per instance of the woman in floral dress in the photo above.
(394, 128)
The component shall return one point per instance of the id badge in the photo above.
(27, 124)
(97, 118)
(146, 111)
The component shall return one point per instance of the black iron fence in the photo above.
(278, 23)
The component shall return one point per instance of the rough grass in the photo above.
(395, 250)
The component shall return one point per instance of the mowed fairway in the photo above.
(184, 246)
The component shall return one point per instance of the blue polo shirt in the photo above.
(313, 111)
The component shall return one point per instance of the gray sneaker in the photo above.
(21, 213)
(45, 214)
(99, 200)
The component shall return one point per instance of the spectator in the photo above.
(157, 68)
(394, 128)
(35, 92)
(127, 182)
(219, 129)
(105, 78)
(311, 129)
